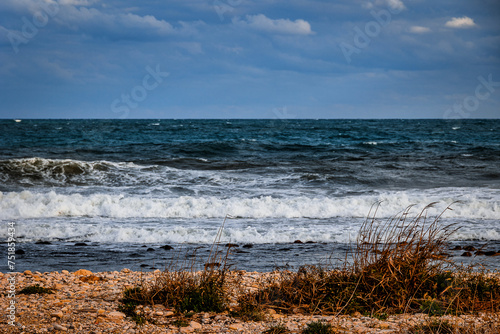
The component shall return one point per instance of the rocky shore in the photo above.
(86, 302)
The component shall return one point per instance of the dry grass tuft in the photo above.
(184, 288)
(439, 326)
(397, 267)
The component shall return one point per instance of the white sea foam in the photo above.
(204, 231)
(475, 204)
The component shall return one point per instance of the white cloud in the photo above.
(396, 4)
(367, 5)
(279, 26)
(77, 2)
(92, 20)
(460, 22)
(419, 30)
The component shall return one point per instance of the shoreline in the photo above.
(86, 302)
(100, 257)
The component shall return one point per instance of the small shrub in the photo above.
(189, 290)
(434, 327)
(129, 310)
(318, 327)
(133, 296)
(380, 316)
(29, 290)
(431, 307)
(445, 327)
(249, 313)
(249, 307)
(397, 267)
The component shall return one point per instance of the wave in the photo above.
(170, 233)
(475, 204)
(236, 230)
(36, 172)
(54, 171)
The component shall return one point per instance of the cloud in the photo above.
(460, 22)
(121, 25)
(278, 26)
(77, 2)
(419, 30)
(396, 4)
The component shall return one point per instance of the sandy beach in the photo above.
(86, 302)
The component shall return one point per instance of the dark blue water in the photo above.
(124, 184)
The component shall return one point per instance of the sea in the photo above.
(105, 195)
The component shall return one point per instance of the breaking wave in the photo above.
(475, 204)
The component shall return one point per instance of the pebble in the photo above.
(93, 307)
(59, 327)
(195, 325)
(82, 272)
(57, 314)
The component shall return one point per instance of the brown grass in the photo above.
(397, 267)
(439, 326)
(182, 287)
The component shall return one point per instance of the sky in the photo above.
(249, 59)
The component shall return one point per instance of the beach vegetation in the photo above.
(33, 289)
(397, 266)
(180, 323)
(318, 327)
(181, 287)
(276, 329)
(444, 326)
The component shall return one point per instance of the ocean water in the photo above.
(125, 186)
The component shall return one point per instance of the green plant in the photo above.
(431, 307)
(32, 289)
(318, 327)
(249, 313)
(129, 310)
(132, 298)
(379, 316)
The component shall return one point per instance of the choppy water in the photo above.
(119, 185)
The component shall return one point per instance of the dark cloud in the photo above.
(240, 58)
